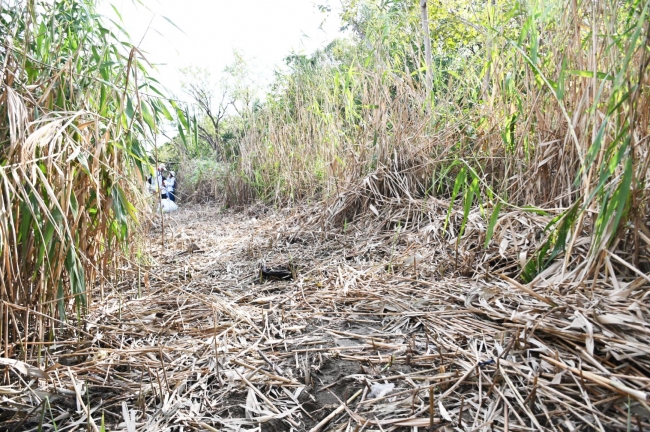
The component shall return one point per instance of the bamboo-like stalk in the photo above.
(545, 131)
(71, 162)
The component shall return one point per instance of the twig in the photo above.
(336, 412)
(265, 399)
(527, 290)
(273, 365)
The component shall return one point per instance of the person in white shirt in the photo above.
(161, 182)
(151, 187)
(170, 182)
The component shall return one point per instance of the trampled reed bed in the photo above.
(536, 115)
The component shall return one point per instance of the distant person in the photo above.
(171, 186)
(152, 184)
(161, 182)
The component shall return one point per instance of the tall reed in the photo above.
(537, 105)
(72, 129)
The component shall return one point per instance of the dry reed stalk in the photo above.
(493, 337)
(72, 159)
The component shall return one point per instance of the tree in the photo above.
(239, 83)
(224, 109)
(198, 85)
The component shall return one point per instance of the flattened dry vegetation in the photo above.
(477, 259)
(384, 324)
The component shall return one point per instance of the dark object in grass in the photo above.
(279, 273)
(486, 362)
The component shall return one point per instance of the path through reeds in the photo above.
(386, 326)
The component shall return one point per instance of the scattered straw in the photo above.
(209, 346)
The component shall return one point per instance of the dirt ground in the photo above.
(368, 332)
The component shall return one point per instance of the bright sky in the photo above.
(265, 31)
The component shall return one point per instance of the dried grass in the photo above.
(198, 341)
(72, 158)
